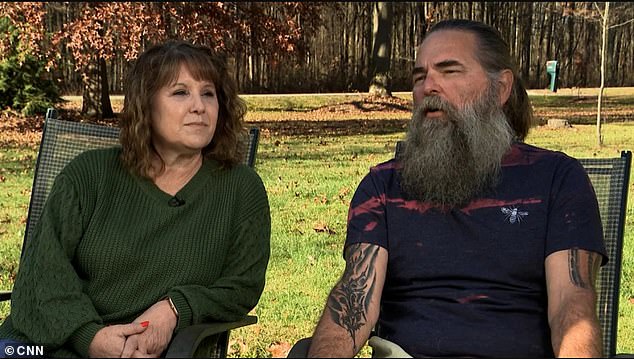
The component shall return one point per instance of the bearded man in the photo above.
(469, 242)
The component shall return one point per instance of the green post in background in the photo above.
(552, 69)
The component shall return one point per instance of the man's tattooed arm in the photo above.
(352, 308)
(583, 275)
(570, 280)
(349, 301)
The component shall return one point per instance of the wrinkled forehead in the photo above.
(444, 45)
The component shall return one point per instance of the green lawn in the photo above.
(310, 176)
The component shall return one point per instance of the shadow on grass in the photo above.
(327, 154)
(581, 101)
(330, 127)
(582, 119)
(17, 162)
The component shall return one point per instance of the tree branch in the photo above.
(621, 24)
(599, 11)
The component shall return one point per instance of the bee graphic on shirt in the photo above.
(513, 215)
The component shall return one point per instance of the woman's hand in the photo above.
(109, 341)
(129, 352)
(154, 340)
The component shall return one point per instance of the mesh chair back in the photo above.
(610, 177)
(252, 146)
(63, 140)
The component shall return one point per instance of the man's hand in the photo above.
(109, 341)
(153, 341)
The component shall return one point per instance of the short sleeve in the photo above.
(574, 219)
(367, 214)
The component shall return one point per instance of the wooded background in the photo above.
(287, 47)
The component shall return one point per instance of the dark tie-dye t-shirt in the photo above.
(471, 281)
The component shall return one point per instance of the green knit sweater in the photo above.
(109, 245)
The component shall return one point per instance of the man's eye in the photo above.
(419, 78)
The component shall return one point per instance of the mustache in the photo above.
(435, 103)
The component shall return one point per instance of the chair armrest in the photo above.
(186, 342)
(300, 348)
(5, 295)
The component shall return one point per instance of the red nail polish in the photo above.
(145, 324)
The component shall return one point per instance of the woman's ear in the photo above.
(505, 85)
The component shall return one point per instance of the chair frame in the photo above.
(614, 232)
(209, 339)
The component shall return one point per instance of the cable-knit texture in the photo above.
(109, 245)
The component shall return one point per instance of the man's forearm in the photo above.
(576, 334)
(353, 304)
(331, 341)
(337, 336)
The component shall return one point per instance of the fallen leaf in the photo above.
(311, 260)
(320, 199)
(323, 227)
(237, 347)
(279, 350)
(343, 192)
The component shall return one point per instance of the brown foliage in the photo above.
(100, 29)
(28, 19)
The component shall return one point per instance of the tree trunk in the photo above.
(603, 47)
(90, 90)
(549, 37)
(381, 50)
(525, 51)
(540, 46)
(106, 106)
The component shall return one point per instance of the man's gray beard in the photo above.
(450, 161)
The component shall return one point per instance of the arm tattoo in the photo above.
(575, 268)
(349, 301)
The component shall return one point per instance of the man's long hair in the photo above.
(494, 56)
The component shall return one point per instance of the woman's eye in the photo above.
(209, 94)
(180, 93)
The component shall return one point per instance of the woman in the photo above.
(139, 241)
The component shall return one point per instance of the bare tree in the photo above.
(381, 50)
(604, 22)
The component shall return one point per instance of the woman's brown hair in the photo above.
(159, 66)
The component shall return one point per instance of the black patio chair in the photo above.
(61, 142)
(610, 178)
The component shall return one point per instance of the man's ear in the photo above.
(505, 85)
